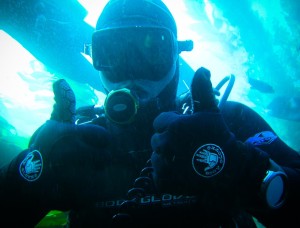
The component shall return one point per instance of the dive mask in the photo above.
(130, 53)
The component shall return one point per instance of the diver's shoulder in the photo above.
(236, 108)
(233, 104)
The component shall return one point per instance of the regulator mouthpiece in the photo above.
(121, 106)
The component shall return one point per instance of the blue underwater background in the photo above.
(42, 41)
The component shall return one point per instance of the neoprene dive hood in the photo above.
(135, 48)
(124, 13)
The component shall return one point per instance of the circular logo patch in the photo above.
(208, 160)
(32, 165)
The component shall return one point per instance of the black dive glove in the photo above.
(58, 169)
(198, 155)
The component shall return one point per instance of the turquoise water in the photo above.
(40, 43)
(251, 38)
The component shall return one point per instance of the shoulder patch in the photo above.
(208, 160)
(262, 138)
(32, 165)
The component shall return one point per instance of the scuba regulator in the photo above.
(120, 106)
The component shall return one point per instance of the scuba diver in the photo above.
(149, 156)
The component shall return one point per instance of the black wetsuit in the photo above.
(131, 149)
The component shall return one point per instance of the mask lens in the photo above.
(134, 53)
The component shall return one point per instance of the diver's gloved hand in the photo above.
(57, 171)
(198, 155)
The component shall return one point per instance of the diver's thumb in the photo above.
(64, 109)
(202, 92)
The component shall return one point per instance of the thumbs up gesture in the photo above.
(57, 171)
(197, 154)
